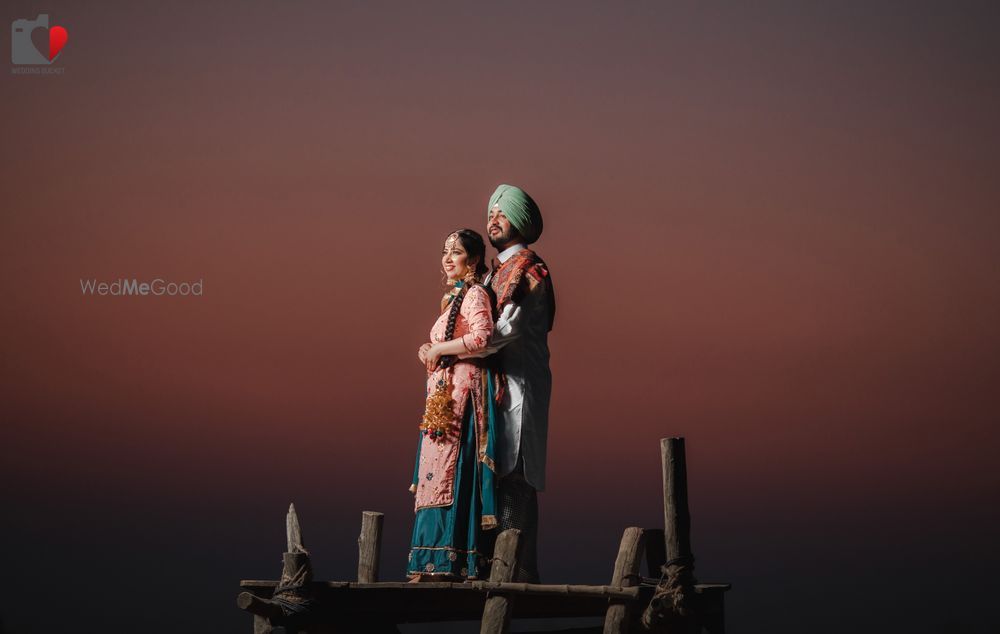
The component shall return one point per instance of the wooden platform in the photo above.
(430, 602)
(668, 600)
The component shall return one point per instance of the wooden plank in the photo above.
(626, 573)
(497, 610)
(262, 588)
(369, 546)
(416, 603)
(594, 629)
(427, 602)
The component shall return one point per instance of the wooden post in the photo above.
(296, 570)
(656, 551)
(673, 603)
(496, 612)
(369, 546)
(616, 619)
(261, 625)
(296, 566)
(293, 532)
(676, 518)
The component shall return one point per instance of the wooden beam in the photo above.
(262, 610)
(496, 612)
(258, 606)
(369, 546)
(538, 590)
(626, 574)
(401, 602)
(261, 587)
(441, 601)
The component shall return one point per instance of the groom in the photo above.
(525, 310)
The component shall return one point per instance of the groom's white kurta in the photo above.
(520, 338)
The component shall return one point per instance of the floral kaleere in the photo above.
(439, 415)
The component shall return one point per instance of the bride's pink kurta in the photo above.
(438, 458)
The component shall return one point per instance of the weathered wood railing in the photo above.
(667, 600)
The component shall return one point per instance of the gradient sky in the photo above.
(773, 229)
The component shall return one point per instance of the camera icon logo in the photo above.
(23, 51)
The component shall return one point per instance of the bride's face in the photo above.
(454, 259)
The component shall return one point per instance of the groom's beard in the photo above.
(499, 240)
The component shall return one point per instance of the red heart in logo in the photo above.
(57, 40)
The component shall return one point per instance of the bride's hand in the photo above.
(422, 352)
(432, 356)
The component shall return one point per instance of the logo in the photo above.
(23, 50)
(126, 287)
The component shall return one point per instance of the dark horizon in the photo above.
(772, 230)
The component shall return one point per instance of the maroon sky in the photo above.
(773, 231)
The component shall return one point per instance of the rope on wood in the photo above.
(672, 600)
(293, 593)
(294, 583)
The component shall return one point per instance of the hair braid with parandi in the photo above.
(449, 332)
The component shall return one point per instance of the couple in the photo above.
(481, 449)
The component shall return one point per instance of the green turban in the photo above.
(520, 210)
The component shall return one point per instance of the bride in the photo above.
(453, 481)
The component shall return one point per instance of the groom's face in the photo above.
(499, 229)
